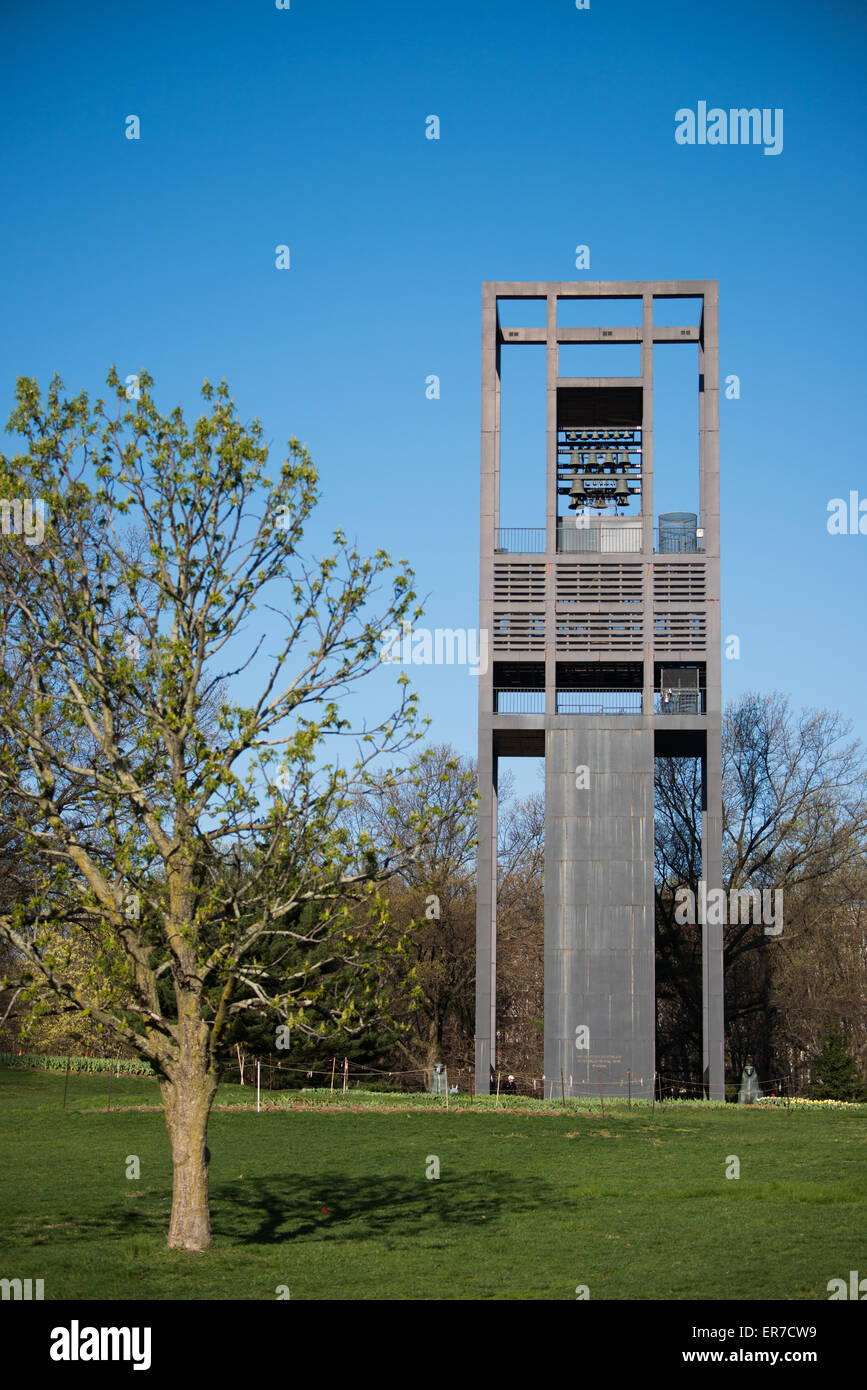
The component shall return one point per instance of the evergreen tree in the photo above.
(835, 1072)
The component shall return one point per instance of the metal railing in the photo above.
(508, 700)
(677, 543)
(601, 535)
(670, 701)
(599, 702)
(522, 540)
(511, 701)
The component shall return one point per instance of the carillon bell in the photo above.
(576, 493)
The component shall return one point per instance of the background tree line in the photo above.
(795, 818)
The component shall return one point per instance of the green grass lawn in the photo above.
(633, 1205)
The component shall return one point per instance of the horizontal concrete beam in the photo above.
(601, 289)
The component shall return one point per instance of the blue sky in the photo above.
(306, 127)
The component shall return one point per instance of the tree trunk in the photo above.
(432, 1054)
(187, 1099)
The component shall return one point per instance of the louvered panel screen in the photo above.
(519, 583)
(519, 632)
(591, 583)
(679, 632)
(679, 583)
(599, 632)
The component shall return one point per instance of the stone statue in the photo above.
(750, 1090)
(438, 1080)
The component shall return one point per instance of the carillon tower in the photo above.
(603, 622)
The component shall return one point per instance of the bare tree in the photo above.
(794, 819)
(433, 899)
(521, 935)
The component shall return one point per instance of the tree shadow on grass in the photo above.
(271, 1210)
(67, 1228)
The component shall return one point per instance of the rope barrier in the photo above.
(533, 1083)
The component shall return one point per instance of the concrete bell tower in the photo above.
(604, 635)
